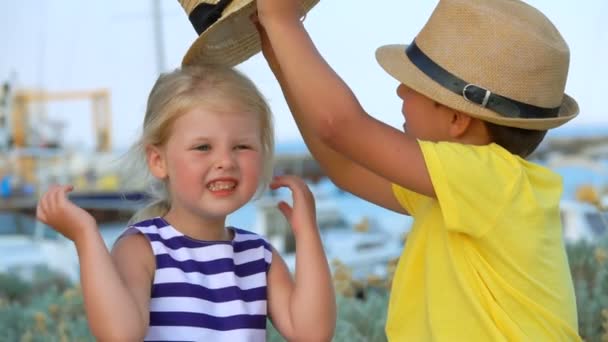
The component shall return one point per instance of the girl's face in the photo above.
(424, 119)
(213, 163)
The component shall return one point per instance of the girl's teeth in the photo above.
(221, 186)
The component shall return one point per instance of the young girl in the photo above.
(178, 273)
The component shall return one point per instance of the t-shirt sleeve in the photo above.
(473, 184)
(408, 199)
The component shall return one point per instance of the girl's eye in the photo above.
(205, 147)
(242, 147)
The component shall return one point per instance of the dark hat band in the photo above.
(476, 94)
(205, 15)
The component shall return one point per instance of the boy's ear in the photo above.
(459, 123)
(156, 161)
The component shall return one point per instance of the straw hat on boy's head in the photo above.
(501, 61)
(226, 34)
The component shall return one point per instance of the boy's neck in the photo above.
(476, 134)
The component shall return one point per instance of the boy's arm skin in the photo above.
(304, 309)
(325, 107)
(116, 288)
(345, 173)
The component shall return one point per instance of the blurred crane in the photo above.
(23, 100)
(22, 119)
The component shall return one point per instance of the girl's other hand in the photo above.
(56, 210)
(303, 213)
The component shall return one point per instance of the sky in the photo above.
(73, 45)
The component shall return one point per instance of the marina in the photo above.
(364, 238)
(357, 235)
(73, 87)
(35, 157)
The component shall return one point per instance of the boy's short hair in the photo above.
(518, 141)
(500, 61)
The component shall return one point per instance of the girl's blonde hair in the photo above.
(177, 92)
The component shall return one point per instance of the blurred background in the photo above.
(74, 79)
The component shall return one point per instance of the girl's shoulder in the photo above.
(245, 242)
(246, 234)
(243, 235)
(155, 222)
(146, 228)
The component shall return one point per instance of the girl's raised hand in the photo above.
(56, 210)
(303, 213)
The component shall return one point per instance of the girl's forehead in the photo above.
(217, 121)
(223, 106)
(227, 115)
(219, 100)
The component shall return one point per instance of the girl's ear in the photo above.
(156, 161)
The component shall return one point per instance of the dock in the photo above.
(115, 205)
(104, 206)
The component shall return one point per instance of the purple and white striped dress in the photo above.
(206, 290)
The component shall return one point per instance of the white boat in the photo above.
(364, 247)
(26, 244)
(582, 221)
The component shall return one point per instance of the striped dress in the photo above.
(206, 290)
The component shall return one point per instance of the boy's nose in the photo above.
(401, 90)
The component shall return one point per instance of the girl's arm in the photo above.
(116, 288)
(304, 310)
(330, 109)
(343, 172)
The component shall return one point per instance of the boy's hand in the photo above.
(279, 9)
(56, 210)
(303, 213)
(267, 50)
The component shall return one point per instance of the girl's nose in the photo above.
(225, 160)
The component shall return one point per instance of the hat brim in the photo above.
(394, 61)
(232, 39)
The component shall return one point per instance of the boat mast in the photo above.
(6, 89)
(159, 41)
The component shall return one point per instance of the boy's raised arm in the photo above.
(345, 173)
(329, 108)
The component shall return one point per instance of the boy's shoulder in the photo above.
(488, 165)
(462, 151)
(490, 150)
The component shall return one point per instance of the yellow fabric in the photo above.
(485, 261)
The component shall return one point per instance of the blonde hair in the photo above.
(177, 92)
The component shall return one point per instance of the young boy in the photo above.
(481, 84)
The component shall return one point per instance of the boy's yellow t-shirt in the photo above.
(486, 260)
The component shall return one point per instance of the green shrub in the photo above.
(358, 320)
(13, 288)
(48, 308)
(589, 266)
(52, 316)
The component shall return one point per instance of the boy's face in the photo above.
(424, 118)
